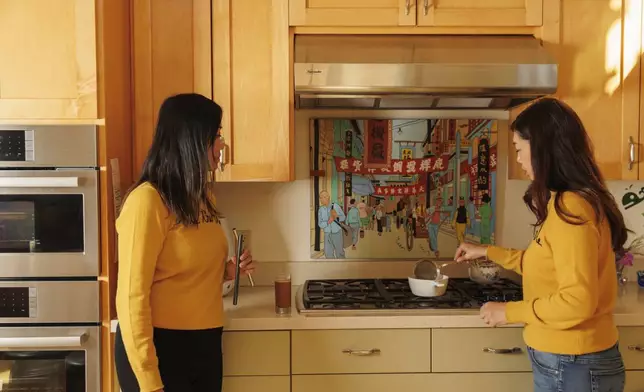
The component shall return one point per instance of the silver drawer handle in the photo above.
(513, 350)
(362, 353)
(631, 153)
(636, 348)
(428, 4)
(407, 7)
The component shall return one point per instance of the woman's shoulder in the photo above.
(144, 197)
(573, 204)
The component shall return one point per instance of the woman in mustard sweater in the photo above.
(569, 277)
(173, 258)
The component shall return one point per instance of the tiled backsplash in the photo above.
(279, 217)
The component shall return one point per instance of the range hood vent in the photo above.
(420, 72)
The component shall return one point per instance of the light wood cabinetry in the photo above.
(630, 338)
(265, 353)
(361, 351)
(492, 382)
(469, 13)
(597, 45)
(479, 350)
(634, 382)
(48, 64)
(252, 56)
(261, 383)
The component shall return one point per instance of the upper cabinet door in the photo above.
(352, 12)
(48, 59)
(252, 81)
(485, 13)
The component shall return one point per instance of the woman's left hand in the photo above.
(493, 313)
(246, 265)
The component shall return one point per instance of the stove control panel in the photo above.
(17, 302)
(16, 145)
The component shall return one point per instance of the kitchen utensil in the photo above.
(428, 269)
(240, 250)
(484, 271)
(428, 288)
(250, 276)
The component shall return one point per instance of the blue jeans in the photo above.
(597, 372)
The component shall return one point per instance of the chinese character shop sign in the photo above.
(483, 167)
(378, 141)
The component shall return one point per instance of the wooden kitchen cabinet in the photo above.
(599, 77)
(386, 13)
(257, 353)
(488, 13)
(48, 60)
(261, 383)
(634, 382)
(252, 59)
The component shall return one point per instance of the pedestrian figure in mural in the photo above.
(461, 220)
(471, 213)
(364, 217)
(329, 217)
(485, 211)
(353, 220)
(378, 217)
(434, 224)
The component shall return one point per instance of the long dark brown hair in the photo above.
(177, 164)
(562, 161)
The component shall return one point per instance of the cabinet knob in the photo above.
(407, 7)
(636, 348)
(362, 353)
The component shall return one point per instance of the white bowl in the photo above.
(428, 288)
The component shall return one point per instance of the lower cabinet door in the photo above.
(257, 383)
(480, 382)
(634, 381)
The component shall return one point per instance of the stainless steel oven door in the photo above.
(49, 223)
(50, 359)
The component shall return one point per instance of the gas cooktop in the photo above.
(395, 294)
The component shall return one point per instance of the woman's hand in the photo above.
(467, 252)
(245, 267)
(493, 313)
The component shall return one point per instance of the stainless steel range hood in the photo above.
(420, 72)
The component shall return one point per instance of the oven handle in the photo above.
(39, 182)
(44, 342)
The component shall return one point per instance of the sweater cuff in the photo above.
(494, 253)
(149, 380)
(518, 312)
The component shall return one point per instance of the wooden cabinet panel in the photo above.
(598, 47)
(352, 12)
(480, 13)
(256, 353)
(490, 382)
(259, 383)
(170, 55)
(372, 351)
(630, 338)
(634, 382)
(252, 54)
(470, 350)
(48, 63)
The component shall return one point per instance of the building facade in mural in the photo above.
(401, 189)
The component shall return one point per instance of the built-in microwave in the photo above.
(49, 224)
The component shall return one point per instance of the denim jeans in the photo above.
(597, 372)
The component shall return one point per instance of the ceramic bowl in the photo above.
(484, 272)
(428, 288)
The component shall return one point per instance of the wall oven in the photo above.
(49, 222)
(49, 336)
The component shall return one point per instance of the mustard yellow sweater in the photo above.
(569, 283)
(170, 276)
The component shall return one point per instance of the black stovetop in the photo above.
(357, 294)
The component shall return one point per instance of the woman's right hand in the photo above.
(467, 252)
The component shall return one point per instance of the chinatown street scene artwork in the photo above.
(401, 189)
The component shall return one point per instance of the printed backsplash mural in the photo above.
(401, 189)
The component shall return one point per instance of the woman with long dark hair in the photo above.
(173, 258)
(569, 276)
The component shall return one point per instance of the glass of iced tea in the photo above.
(283, 294)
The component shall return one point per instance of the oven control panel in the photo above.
(16, 145)
(17, 302)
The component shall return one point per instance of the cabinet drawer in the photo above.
(361, 351)
(472, 350)
(631, 345)
(483, 382)
(257, 383)
(634, 382)
(256, 353)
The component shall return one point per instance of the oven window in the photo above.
(42, 371)
(41, 224)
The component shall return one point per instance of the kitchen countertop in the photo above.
(255, 311)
